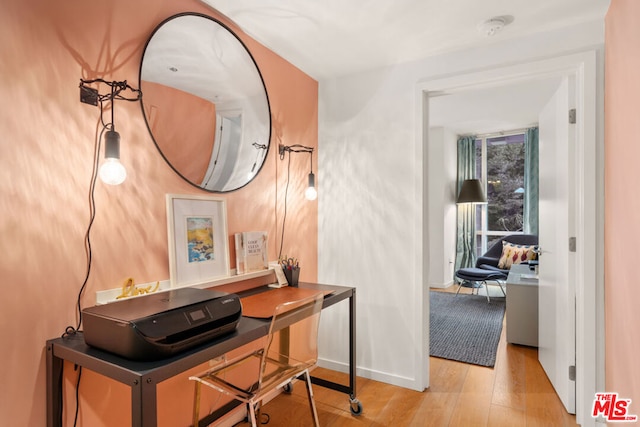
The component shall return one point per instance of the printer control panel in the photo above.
(197, 315)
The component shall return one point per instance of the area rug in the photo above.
(465, 327)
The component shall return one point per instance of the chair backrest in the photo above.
(293, 333)
(496, 249)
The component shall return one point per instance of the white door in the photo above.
(556, 341)
(225, 148)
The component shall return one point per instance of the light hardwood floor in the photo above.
(516, 392)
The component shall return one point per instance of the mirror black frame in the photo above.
(264, 86)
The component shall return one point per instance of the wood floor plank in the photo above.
(435, 409)
(504, 416)
(474, 401)
(447, 375)
(510, 390)
(543, 406)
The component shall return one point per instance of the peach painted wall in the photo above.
(46, 145)
(185, 131)
(622, 202)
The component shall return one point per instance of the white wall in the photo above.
(441, 207)
(371, 196)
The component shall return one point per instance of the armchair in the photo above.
(487, 268)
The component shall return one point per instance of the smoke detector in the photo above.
(492, 26)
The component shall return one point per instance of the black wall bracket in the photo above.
(89, 95)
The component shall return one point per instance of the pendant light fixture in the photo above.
(310, 193)
(112, 171)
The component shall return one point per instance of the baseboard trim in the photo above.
(441, 285)
(406, 382)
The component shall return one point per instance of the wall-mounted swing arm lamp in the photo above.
(471, 192)
(112, 171)
(310, 193)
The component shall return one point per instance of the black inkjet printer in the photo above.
(159, 325)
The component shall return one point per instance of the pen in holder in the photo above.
(291, 271)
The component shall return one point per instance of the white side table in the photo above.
(522, 306)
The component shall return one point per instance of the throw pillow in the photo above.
(516, 254)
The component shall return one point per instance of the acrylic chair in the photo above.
(291, 348)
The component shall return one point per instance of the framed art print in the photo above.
(198, 243)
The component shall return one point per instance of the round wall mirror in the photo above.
(205, 102)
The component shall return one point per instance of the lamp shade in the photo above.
(471, 192)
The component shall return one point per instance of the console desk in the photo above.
(143, 377)
(522, 306)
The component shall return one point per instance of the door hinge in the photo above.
(572, 373)
(572, 116)
(572, 244)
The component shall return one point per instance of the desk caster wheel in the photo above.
(287, 388)
(356, 407)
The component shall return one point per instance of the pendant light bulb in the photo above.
(311, 193)
(112, 172)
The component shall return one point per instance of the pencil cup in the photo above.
(292, 276)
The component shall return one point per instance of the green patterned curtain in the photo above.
(466, 212)
(531, 162)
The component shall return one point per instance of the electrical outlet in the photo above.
(89, 95)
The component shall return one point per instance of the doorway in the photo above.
(582, 67)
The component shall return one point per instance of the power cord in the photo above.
(265, 415)
(75, 418)
(283, 149)
(284, 217)
(115, 93)
(70, 330)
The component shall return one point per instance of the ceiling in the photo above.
(331, 38)
(328, 38)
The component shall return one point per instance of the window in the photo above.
(500, 166)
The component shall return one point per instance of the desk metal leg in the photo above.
(356, 406)
(144, 411)
(54, 388)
